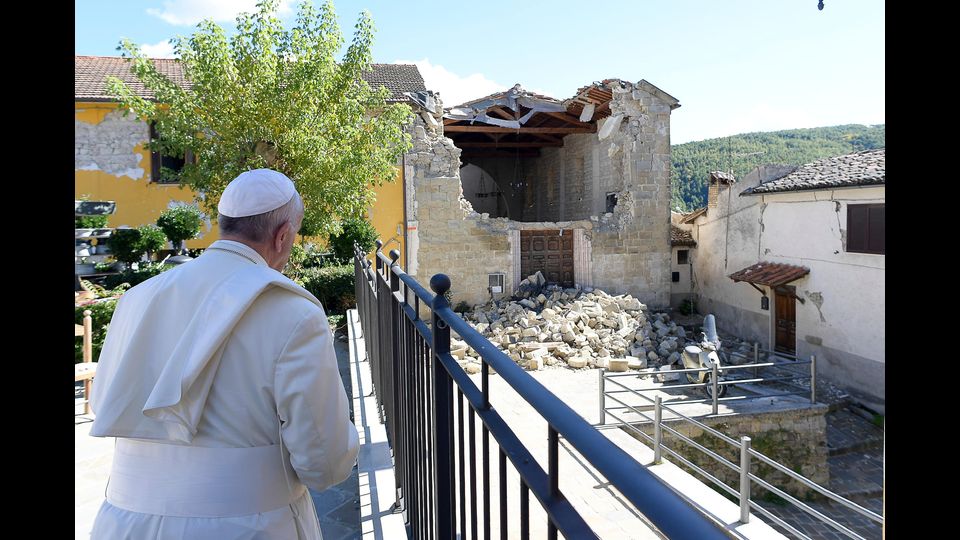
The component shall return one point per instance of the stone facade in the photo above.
(795, 438)
(566, 188)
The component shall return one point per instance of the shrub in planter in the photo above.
(90, 222)
(332, 285)
(356, 230)
(101, 313)
(180, 223)
(152, 239)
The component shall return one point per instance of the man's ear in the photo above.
(281, 235)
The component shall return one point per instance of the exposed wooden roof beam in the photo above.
(519, 131)
(569, 118)
(467, 154)
(501, 112)
(468, 144)
(548, 138)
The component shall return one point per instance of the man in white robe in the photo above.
(219, 381)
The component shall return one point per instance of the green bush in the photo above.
(333, 286)
(134, 277)
(356, 230)
(101, 313)
(180, 223)
(124, 244)
(91, 222)
(152, 239)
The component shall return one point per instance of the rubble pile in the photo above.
(582, 328)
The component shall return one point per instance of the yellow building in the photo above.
(111, 162)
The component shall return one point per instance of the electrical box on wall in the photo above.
(765, 303)
(495, 282)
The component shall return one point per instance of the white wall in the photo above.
(680, 290)
(842, 319)
(470, 176)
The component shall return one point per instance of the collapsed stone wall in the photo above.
(448, 236)
(630, 247)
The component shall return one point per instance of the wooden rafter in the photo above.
(548, 138)
(518, 131)
(569, 118)
(470, 144)
(501, 112)
(467, 154)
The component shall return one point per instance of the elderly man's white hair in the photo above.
(260, 227)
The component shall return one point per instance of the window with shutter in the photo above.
(157, 160)
(866, 228)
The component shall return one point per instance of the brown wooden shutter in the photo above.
(876, 243)
(857, 227)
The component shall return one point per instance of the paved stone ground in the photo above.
(856, 472)
(338, 507)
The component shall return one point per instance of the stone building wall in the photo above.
(566, 189)
(795, 438)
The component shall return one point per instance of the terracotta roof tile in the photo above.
(680, 237)
(770, 274)
(90, 77)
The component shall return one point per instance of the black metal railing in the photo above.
(414, 378)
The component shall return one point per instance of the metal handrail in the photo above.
(430, 489)
(745, 451)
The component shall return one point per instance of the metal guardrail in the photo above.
(747, 454)
(414, 377)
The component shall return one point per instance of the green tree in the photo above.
(353, 230)
(180, 223)
(270, 97)
(151, 239)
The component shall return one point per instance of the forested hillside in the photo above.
(693, 161)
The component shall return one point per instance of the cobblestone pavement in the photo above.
(856, 472)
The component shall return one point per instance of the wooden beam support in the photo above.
(570, 119)
(548, 138)
(506, 144)
(468, 154)
(518, 131)
(501, 112)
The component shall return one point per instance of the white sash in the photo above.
(192, 481)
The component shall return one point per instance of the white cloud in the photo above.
(190, 12)
(454, 89)
(163, 49)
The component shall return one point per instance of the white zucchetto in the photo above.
(255, 192)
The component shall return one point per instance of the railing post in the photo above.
(603, 399)
(813, 378)
(744, 479)
(756, 357)
(376, 259)
(713, 381)
(443, 414)
(397, 387)
(657, 431)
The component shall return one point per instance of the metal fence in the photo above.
(747, 454)
(422, 390)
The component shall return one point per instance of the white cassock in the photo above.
(220, 382)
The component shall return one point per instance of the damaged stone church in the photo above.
(513, 183)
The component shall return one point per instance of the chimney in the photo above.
(719, 181)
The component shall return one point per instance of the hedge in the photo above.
(332, 285)
(100, 313)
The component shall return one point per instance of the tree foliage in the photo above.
(356, 230)
(270, 97)
(693, 161)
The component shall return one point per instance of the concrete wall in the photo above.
(683, 289)
(842, 319)
(111, 164)
(476, 181)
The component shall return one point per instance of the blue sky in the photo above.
(736, 66)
